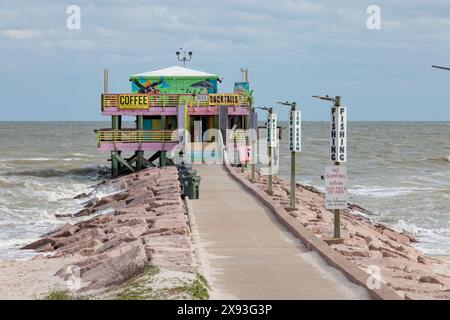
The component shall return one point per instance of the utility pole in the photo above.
(338, 156)
(184, 58)
(294, 127)
(270, 144)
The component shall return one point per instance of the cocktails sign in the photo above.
(224, 99)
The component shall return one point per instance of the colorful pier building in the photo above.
(163, 101)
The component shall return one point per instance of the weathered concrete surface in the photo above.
(366, 246)
(144, 223)
(247, 254)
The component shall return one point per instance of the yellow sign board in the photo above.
(224, 99)
(133, 101)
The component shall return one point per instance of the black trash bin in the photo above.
(195, 187)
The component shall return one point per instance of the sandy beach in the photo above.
(31, 279)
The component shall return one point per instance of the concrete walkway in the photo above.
(246, 254)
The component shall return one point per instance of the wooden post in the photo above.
(337, 212)
(115, 164)
(139, 153)
(162, 158)
(270, 179)
(293, 163)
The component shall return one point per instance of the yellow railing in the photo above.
(134, 136)
(166, 100)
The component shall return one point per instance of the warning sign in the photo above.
(336, 187)
(338, 134)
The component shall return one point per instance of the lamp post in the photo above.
(269, 146)
(336, 158)
(253, 145)
(184, 58)
(293, 106)
(438, 67)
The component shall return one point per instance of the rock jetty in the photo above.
(143, 223)
(373, 247)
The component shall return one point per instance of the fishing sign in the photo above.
(133, 101)
(295, 131)
(338, 134)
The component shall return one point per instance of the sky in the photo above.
(293, 49)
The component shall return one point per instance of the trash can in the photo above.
(186, 182)
(195, 187)
(191, 185)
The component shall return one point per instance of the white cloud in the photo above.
(21, 34)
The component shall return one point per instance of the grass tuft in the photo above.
(58, 295)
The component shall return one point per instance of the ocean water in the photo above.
(398, 171)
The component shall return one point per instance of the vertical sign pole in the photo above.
(337, 212)
(293, 142)
(293, 184)
(270, 136)
(294, 147)
(254, 127)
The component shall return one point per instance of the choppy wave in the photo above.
(430, 239)
(39, 159)
(444, 159)
(436, 160)
(94, 171)
(386, 192)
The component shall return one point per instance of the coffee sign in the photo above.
(133, 101)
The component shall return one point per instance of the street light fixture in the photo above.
(184, 58)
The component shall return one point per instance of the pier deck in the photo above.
(247, 254)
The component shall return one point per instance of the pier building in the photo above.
(162, 102)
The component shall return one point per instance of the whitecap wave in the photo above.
(386, 192)
(96, 171)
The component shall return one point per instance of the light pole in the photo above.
(293, 106)
(269, 147)
(253, 144)
(337, 212)
(438, 67)
(184, 59)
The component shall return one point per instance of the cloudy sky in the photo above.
(293, 49)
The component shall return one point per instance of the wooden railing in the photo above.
(139, 136)
(167, 100)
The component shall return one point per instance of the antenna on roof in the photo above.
(184, 58)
